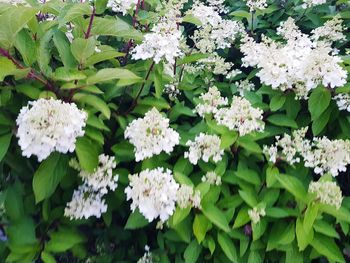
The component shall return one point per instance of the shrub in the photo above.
(174, 131)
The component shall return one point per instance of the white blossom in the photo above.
(46, 126)
(122, 6)
(147, 257)
(211, 178)
(151, 135)
(102, 178)
(256, 5)
(85, 203)
(210, 102)
(331, 31)
(153, 192)
(172, 90)
(162, 43)
(244, 85)
(311, 3)
(204, 147)
(326, 192)
(241, 116)
(188, 197)
(256, 213)
(343, 101)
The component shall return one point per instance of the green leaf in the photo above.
(320, 123)
(277, 102)
(259, 229)
(200, 227)
(6, 68)
(26, 46)
(63, 47)
(12, 21)
(108, 74)
(66, 74)
(14, 203)
(95, 102)
(22, 234)
(228, 247)
(192, 252)
(318, 102)
(64, 239)
(46, 257)
(76, 11)
(242, 217)
(136, 220)
(228, 139)
(106, 53)
(282, 120)
(325, 228)
(44, 56)
(249, 145)
(327, 247)
(303, 238)
(87, 153)
(5, 141)
(158, 80)
(49, 175)
(249, 196)
(248, 175)
(281, 234)
(292, 185)
(180, 214)
(191, 19)
(82, 49)
(192, 58)
(271, 173)
(216, 216)
(310, 216)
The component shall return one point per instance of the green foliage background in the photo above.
(37, 60)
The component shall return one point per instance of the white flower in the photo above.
(331, 31)
(343, 101)
(311, 3)
(206, 14)
(187, 196)
(244, 85)
(328, 156)
(85, 203)
(122, 6)
(162, 43)
(256, 4)
(204, 147)
(151, 135)
(102, 178)
(153, 192)
(328, 193)
(172, 90)
(45, 126)
(211, 178)
(210, 102)
(147, 257)
(255, 214)
(241, 116)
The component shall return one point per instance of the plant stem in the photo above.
(88, 32)
(134, 102)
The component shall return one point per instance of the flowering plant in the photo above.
(174, 131)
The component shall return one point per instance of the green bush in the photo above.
(174, 131)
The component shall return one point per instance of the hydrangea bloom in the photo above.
(153, 192)
(86, 202)
(244, 85)
(210, 102)
(255, 214)
(162, 43)
(295, 64)
(328, 193)
(151, 135)
(122, 6)
(204, 147)
(187, 196)
(241, 116)
(45, 126)
(211, 178)
(331, 31)
(343, 101)
(102, 178)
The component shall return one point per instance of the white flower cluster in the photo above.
(241, 116)
(45, 126)
(256, 5)
(321, 154)
(211, 178)
(151, 135)
(153, 192)
(295, 64)
(172, 90)
(162, 43)
(102, 178)
(210, 102)
(86, 202)
(188, 197)
(331, 31)
(326, 192)
(147, 257)
(328, 156)
(256, 213)
(311, 3)
(244, 85)
(88, 199)
(122, 6)
(343, 101)
(204, 147)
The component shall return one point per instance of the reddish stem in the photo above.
(88, 32)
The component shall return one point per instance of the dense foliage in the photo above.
(174, 131)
